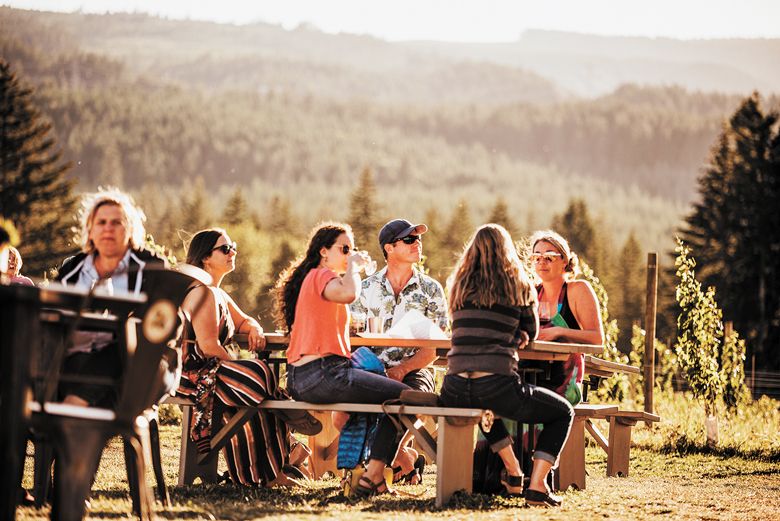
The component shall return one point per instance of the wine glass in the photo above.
(545, 314)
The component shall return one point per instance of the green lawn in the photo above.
(661, 486)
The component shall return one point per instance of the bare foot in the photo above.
(283, 480)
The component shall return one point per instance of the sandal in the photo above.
(299, 420)
(419, 467)
(542, 499)
(366, 488)
(513, 482)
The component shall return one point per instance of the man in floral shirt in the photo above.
(398, 288)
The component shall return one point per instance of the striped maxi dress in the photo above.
(256, 454)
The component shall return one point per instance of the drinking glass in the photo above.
(545, 314)
(357, 323)
(376, 325)
(370, 268)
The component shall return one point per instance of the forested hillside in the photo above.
(188, 115)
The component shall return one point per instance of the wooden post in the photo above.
(651, 302)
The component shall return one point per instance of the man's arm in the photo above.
(422, 358)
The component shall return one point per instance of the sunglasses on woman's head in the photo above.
(409, 239)
(226, 248)
(549, 256)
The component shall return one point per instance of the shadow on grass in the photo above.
(262, 502)
(683, 446)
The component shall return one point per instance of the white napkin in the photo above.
(416, 325)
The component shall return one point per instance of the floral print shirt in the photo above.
(377, 299)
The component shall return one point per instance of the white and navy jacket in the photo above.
(71, 268)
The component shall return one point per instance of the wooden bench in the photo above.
(454, 439)
(618, 446)
(571, 468)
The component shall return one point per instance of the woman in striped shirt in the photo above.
(258, 455)
(493, 310)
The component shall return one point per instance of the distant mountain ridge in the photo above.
(591, 65)
(541, 67)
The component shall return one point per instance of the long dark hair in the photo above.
(288, 286)
(202, 244)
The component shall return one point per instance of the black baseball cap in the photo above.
(398, 229)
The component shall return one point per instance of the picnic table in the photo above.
(323, 445)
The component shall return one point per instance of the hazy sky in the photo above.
(467, 20)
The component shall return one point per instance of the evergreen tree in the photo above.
(197, 211)
(236, 210)
(284, 256)
(34, 191)
(628, 304)
(500, 215)
(457, 232)
(735, 227)
(577, 227)
(364, 215)
(280, 217)
(434, 260)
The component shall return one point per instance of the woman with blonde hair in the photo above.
(569, 310)
(113, 256)
(15, 268)
(493, 309)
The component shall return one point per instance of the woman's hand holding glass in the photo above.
(362, 261)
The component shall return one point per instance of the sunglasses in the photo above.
(549, 256)
(227, 248)
(346, 249)
(409, 239)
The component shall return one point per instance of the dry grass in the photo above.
(661, 486)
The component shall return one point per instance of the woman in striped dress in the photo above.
(493, 310)
(258, 454)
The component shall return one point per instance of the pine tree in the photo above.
(576, 226)
(364, 215)
(456, 233)
(735, 228)
(236, 210)
(628, 303)
(197, 211)
(280, 217)
(284, 256)
(434, 261)
(34, 190)
(500, 215)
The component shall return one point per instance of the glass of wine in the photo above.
(545, 314)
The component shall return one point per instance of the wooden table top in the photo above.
(539, 351)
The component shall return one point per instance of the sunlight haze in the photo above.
(469, 20)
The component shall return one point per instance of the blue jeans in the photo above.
(510, 398)
(332, 379)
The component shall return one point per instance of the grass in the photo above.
(673, 475)
(751, 431)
